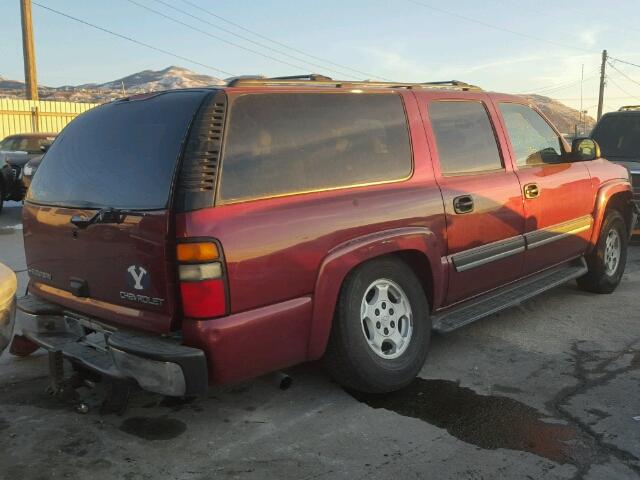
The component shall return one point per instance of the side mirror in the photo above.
(584, 149)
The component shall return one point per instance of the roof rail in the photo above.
(314, 77)
(316, 80)
(629, 108)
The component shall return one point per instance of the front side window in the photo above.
(465, 139)
(534, 142)
(284, 143)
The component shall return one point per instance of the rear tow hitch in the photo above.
(116, 392)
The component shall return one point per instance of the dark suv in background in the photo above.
(618, 134)
(15, 152)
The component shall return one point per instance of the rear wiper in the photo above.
(105, 215)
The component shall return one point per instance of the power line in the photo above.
(561, 86)
(621, 89)
(204, 32)
(230, 32)
(268, 39)
(497, 27)
(264, 37)
(625, 62)
(623, 74)
(261, 45)
(550, 87)
(133, 40)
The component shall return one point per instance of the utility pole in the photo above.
(28, 51)
(602, 76)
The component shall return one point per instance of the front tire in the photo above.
(381, 329)
(608, 260)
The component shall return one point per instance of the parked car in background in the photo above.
(618, 134)
(206, 236)
(8, 287)
(30, 168)
(15, 152)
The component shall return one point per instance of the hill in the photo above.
(564, 117)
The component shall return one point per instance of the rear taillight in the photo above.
(202, 282)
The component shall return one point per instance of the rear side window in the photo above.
(283, 143)
(465, 139)
(619, 135)
(122, 154)
(534, 142)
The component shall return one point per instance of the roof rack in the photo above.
(316, 80)
(629, 108)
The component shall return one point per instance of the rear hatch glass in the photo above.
(120, 155)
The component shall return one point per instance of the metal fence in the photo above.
(26, 116)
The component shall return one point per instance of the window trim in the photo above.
(218, 201)
(484, 104)
(549, 124)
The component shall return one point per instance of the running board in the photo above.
(505, 297)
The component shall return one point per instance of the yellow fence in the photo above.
(25, 116)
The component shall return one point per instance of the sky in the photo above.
(515, 47)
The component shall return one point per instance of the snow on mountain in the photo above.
(565, 118)
(152, 80)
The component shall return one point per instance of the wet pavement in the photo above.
(548, 389)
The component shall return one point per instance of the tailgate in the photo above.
(121, 273)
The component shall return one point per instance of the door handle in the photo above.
(531, 190)
(463, 204)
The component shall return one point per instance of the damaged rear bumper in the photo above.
(156, 363)
(8, 286)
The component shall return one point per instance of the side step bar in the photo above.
(506, 297)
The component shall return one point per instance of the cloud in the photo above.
(391, 63)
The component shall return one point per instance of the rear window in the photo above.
(278, 144)
(618, 135)
(122, 154)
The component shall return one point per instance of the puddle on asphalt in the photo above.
(488, 421)
(153, 428)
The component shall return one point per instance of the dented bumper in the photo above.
(156, 363)
(8, 286)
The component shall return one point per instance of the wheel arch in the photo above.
(614, 194)
(419, 247)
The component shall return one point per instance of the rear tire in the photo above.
(381, 329)
(608, 259)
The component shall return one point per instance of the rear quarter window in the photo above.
(283, 143)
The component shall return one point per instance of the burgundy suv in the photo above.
(206, 236)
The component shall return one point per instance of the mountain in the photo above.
(151, 80)
(141, 82)
(565, 118)
(6, 84)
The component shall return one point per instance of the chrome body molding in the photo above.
(491, 252)
(559, 231)
(478, 256)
